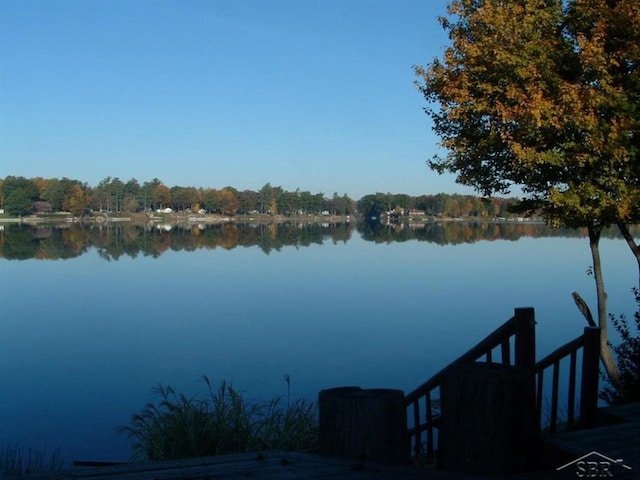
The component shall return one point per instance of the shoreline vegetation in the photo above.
(16, 462)
(220, 422)
(176, 426)
(39, 200)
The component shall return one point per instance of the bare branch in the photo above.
(584, 309)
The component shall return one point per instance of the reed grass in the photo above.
(15, 461)
(221, 422)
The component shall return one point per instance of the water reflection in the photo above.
(84, 341)
(112, 241)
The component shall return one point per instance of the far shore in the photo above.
(171, 218)
(180, 218)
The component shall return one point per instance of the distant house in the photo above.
(164, 210)
(417, 213)
(42, 207)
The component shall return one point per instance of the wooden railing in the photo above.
(521, 327)
(589, 342)
(517, 333)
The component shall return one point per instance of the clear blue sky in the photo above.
(315, 94)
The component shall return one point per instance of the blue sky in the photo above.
(315, 94)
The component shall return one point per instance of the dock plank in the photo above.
(271, 466)
(263, 466)
(617, 441)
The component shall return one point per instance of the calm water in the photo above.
(83, 340)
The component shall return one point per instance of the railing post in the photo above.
(525, 357)
(525, 337)
(590, 376)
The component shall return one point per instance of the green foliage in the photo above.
(628, 356)
(18, 244)
(112, 195)
(16, 462)
(222, 422)
(441, 204)
(17, 203)
(18, 194)
(542, 94)
(373, 205)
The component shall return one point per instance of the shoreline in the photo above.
(142, 219)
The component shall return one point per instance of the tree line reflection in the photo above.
(113, 241)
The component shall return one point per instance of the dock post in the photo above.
(363, 424)
(525, 357)
(590, 376)
(525, 337)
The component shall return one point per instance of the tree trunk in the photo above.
(635, 248)
(605, 350)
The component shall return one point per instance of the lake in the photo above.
(93, 318)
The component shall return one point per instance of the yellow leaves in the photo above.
(531, 96)
(273, 207)
(163, 195)
(228, 202)
(76, 201)
(624, 209)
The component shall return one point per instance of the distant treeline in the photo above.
(112, 241)
(21, 196)
(439, 205)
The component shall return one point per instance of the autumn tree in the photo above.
(269, 196)
(228, 201)
(544, 95)
(162, 196)
(76, 200)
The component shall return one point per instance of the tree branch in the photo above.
(635, 248)
(584, 309)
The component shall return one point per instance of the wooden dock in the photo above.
(618, 438)
(271, 465)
